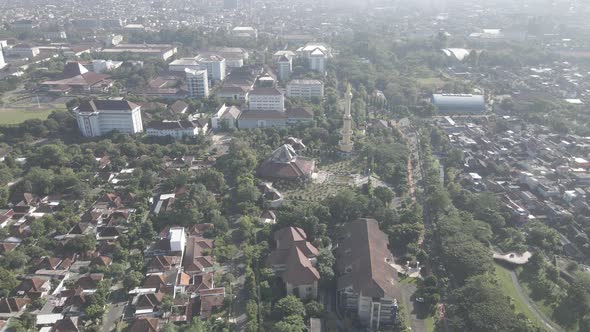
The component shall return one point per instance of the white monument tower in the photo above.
(345, 146)
(2, 63)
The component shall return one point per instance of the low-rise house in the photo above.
(89, 281)
(5, 217)
(101, 261)
(162, 282)
(147, 303)
(163, 263)
(26, 203)
(179, 107)
(226, 118)
(268, 217)
(208, 300)
(145, 324)
(68, 324)
(13, 305)
(33, 287)
(197, 258)
(293, 260)
(75, 299)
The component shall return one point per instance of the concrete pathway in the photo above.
(550, 326)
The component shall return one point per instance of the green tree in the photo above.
(347, 206)
(481, 306)
(8, 281)
(132, 280)
(314, 309)
(325, 264)
(39, 181)
(94, 311)
(293, 323)
(289, 306)
(384, 194)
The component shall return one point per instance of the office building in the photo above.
(366, 287)
(318, 60)
(2, 62)
(177, 129)
(305, 89)
(197, 83)
(99, 117)
(266, 99)
(215, 65)
(285, 67)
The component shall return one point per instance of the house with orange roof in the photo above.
(294, 260)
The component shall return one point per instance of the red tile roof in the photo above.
(362, 260)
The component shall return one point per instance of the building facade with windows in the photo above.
(366, 288)
(305, 89)
(177, 129)
(99, 117)
(197, 83)
(266, 99)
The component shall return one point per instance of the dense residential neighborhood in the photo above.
(335, 165)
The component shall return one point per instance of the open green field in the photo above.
(429, 324)
(14, 116)
(506, 285)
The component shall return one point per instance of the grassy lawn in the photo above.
(432, 82)
(14, 116)
(429, 324)
(505, 282)
(544, 306)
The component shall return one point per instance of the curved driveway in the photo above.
(550, 326)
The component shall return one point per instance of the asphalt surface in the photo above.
(114, 311)
(525, 298)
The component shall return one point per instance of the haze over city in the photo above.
(294, 166)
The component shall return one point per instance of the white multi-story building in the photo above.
(215, 65)
(285, 67)
(305, 89)
(177, 129)
(197, 83)
(2, 63)
(317, 60)
(266, 99)
(177, 238)
(245, 32)
(183, 63)
(99, 117)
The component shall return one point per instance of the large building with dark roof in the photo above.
(459, 103)
(285, 164)
(366, 283)
(76, 78)
(99, 117)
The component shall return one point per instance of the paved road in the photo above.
(413, 308)
(525, 298)
(114, 311)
